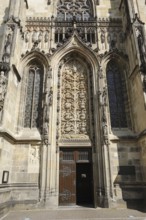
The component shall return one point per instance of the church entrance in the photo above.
(75, 177)
(75, 126)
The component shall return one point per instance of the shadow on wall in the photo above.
(128, 182)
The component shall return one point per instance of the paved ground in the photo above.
(77, 214)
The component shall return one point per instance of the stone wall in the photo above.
(23, 164)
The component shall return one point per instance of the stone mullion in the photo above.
(63, 32)
(27, 106)
(90, 36)
(52, 32)
(33, 93)
(86, 31)
(47, 42)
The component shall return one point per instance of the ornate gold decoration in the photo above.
(74, 102)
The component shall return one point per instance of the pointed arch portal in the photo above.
(75, 175)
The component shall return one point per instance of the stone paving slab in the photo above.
(77, 214)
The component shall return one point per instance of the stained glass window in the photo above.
(116, 90)
(33, 105)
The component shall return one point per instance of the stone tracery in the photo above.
(69, 10)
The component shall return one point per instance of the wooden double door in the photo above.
(75, 177)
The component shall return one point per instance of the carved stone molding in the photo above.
(52, 33)
(13, 20)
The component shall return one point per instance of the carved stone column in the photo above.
(105, 150)
(45, 137)
(47, 104)
(43, 172)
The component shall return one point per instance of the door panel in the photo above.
(75, 177)
(67, 185)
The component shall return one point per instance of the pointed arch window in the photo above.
(34, 91)
(117, 93)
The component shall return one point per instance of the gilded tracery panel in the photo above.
(74, 100)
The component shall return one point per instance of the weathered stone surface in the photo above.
(54, 62)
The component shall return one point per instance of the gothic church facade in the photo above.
(72, 103)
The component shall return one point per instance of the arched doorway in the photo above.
(75, 131)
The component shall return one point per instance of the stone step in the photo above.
(76, 214)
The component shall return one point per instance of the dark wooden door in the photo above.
(75, 177)
(84, 183)
(67, 179)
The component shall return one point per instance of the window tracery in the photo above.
(33, 104)
(75, 9)
(87, 34)
(116, 93)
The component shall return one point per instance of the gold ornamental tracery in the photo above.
(74, 100)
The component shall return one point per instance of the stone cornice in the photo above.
(17, 185)
(131, 184)
(45, 21)
(128, 137)
(19, 139)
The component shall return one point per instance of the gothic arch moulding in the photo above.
(76, 98)
(115, 69)
(120, 58)
(76, 45)
(31, 56)
(71, 62)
